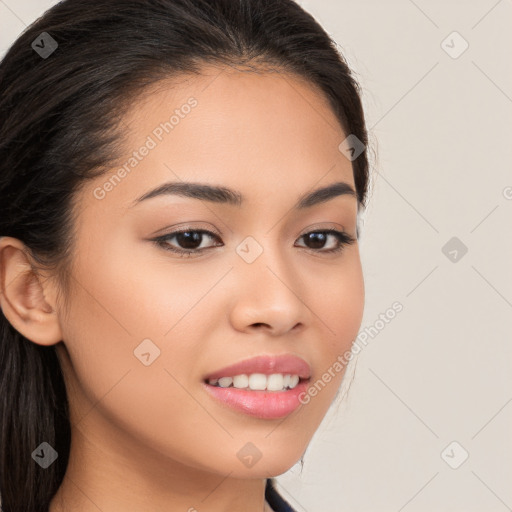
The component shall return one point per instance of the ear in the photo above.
(26, 299)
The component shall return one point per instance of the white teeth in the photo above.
(240, 381)
(225, 382)
(275, 382)
(258, 381)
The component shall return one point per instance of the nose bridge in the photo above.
(268, 287)
(266, 263)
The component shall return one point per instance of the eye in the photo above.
(190, 241)
(319, 238)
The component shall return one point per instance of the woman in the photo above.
(180, 185)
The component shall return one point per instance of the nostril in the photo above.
(261, 324)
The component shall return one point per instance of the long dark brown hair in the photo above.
(60, 125)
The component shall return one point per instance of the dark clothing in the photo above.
(275, 500)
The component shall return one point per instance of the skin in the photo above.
(149, 437)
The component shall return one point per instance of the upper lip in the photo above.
(266, 364)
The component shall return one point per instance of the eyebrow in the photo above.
(223, 195)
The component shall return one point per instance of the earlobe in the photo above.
(22, 297)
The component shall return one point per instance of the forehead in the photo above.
(256, 132)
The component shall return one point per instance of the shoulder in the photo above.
(274, 499)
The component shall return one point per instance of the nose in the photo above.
(268, 297)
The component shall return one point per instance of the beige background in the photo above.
(440, 371)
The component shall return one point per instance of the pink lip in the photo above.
(285, 364)
(260, 404)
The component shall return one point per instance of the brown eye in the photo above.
(189, 241)
(316, 240)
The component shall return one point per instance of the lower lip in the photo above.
(260, 404)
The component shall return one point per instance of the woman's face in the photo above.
(146, 326)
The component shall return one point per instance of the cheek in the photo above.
(339, 306)
(137, 288)
(340, 303)
(125, 314)
(152, 403)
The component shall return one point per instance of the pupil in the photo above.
(187, 238)
(318, 239)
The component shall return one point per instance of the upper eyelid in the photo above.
(186, 228)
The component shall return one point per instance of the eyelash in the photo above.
(343, 238)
